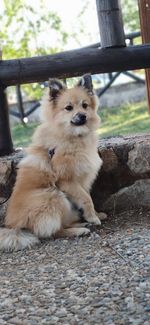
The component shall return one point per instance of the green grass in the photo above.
(128, 119)
(22, 135)
(125, 120)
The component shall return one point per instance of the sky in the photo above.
(68, 11)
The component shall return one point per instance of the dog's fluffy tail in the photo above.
(16, 239)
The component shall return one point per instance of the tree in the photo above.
(130, 15)
(23, 27)
(27, 31)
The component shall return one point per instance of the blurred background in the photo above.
(45, 27)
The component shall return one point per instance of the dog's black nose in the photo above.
(79, 119)
(82, 117)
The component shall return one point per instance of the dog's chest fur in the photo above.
(80, 159)
(87, 168)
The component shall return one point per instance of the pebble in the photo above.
(84, 281)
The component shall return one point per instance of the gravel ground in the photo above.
(100, 279)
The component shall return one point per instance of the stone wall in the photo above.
(124, 181)
(8, 171)
(122, 184)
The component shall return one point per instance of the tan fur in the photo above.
(45, 188)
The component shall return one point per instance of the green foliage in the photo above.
(130, 15)
(26, 31)
(23, 26)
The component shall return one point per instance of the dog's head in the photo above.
(72, 111)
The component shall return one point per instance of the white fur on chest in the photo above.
(87, 160)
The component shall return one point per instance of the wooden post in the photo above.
(144, 12)
(110, 23)
(6, 145)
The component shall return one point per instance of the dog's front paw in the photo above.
(93, 219)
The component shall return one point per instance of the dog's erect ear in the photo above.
(55, 88)
(86, 83)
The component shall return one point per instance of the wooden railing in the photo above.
(113, 55)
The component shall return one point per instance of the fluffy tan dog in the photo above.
(55, 177)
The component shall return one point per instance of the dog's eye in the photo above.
(84, 105)
(69, 107)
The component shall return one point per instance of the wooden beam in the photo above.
(110, 23)
(74, 63)
(144, 11)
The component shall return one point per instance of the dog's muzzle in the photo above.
(79, 119)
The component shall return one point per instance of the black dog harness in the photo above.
(51, 152)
